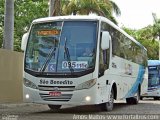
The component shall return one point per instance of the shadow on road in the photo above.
(87, 109)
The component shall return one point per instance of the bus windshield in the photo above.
(61, 47)
(154, 76)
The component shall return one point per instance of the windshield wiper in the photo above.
(48, 58)
(66, 52)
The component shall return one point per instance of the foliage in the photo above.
(1, 21)
(156, 28)
(24, 11)
(1, 35)
(146, 38)
(28, 10)
(84, 7)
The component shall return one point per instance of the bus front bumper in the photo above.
(78, 97)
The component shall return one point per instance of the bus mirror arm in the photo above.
(105, 40)
(24, 41)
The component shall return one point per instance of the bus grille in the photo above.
(60, 88)
(63, 97)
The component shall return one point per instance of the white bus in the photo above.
(82, 60)
(153, 79)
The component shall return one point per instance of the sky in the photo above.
(137, 14)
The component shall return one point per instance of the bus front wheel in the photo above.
(108, 106)
(156, 98)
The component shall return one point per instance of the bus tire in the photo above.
(108, 106)
(54, 107)
(156, 98)
(134, 100)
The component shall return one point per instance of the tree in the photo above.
(1, 21)
(25, 11)
(156, 29)
(146, 38)
(8, 25)
(156, 26)
(101, 7)
(1, 36)
(28, 10)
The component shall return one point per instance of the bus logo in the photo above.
(56, 89)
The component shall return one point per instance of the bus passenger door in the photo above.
(104, 59)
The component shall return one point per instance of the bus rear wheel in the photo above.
(134, 100)
(54, 107)
(108, 106)
(156, 98)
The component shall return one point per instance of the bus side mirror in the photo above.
(105, 40)
(24, 41)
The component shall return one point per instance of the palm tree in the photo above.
(156, 26)
(8, 25)
(84, 7)
(156, 29)
(101, 7)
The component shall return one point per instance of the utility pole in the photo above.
(8, 36)
(51, 7)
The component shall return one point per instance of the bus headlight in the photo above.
(27, 96)
(30, 84)
(86, 85)
(88, 98)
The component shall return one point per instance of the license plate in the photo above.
(55, 94)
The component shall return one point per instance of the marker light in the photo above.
(88, 98)
(27, 96)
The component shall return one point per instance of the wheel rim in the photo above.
(111, 100)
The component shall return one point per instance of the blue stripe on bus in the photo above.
(139, 80)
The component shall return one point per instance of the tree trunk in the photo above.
(51, 7)
(57, 8)
(8, 37)
(54, 7)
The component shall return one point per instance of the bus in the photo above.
(153, 79)
(57, 73)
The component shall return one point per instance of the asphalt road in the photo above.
(147, 109)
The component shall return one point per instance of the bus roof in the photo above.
(69, 17)
(87, 17)
(153, 62)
